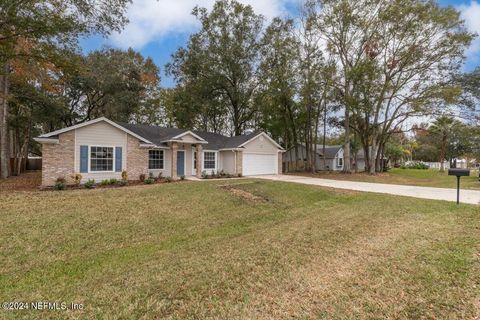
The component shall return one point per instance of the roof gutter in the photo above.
(231, 149)
(152, 146)
(181, 141)
(46, 140)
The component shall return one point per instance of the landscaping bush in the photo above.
(59, 184)
(113, 181)
(204, 174)
(60, 180)
(159, 177)
(149, 180)
(77, 178)
(168, 179)
(142, 177)
(414, 165)
(124, 175)
(90, 184)
(105, 182)
(122, 182)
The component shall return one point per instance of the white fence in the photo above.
(436, 165)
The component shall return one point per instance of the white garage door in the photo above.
(256, 163)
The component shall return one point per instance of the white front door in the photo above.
(258, 163)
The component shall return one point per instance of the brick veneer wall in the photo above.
(174, 148)
(199, 149)
(58, 159)
(239, 162)
(137, 158)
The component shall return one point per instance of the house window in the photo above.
(209, 160)
(339, 162)
(155, 159)
(101, 158)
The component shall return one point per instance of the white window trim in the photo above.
(338, 162)
(216, 161)
(163, 160)
(90, 162)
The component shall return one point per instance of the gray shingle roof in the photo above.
(330, 151)
(215, 141)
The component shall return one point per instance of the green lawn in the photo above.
(414, 177)
(195, 250)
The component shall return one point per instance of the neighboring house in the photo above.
(101, 149)
(333, 158)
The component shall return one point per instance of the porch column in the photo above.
(199, 159)
(174, 148)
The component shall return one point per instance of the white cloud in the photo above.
(151, 20)
(471, 14)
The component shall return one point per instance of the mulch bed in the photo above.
(28, 181)
(31, 181)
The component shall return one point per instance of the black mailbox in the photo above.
(459, 172)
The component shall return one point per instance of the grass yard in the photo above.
(414, 177)
(256, 250)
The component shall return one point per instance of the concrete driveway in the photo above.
(466, 196)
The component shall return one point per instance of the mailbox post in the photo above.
(459, 173)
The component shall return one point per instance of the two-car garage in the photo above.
(258, 163)
(260, 156)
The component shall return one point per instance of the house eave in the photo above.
(231, 149)
(181, 141)
(46, 140)
(152, 146)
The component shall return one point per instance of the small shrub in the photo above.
(182, 177)
(159, 177)
(122, 182)
(149, 180)
(168, 179)
(124, 175)
(113, 181)
(105, 182)
(77, 178)
(239, 175)
(59, 185)
(60, 180)
(90, 184)
(142, 177)
(204, 174)
(414, 165)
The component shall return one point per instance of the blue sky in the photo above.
(158, 27)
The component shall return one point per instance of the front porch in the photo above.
(186, 159)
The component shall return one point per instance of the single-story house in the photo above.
(333, 158)
(101, 149)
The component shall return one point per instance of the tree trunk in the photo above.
(4, 145)
(346, 149)
(443, 152)
(373, 157)
(379, 159)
